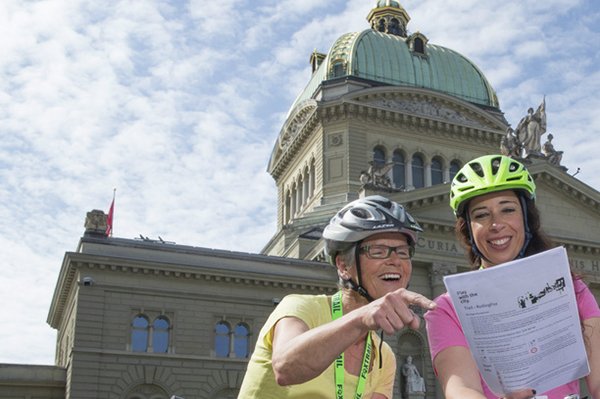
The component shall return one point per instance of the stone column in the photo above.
(408, 184)
(427, 171)
(446, 175)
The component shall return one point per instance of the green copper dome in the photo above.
(387, 55)
(389, 59)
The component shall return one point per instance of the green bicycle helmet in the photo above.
(488, 174)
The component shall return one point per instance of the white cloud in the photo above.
(178, 105)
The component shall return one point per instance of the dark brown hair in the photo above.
(539, 240)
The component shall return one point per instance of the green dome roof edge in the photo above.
(387, 59)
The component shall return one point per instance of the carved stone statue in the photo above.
(413, 382)
(377, 175)
(510, 145)
(530, 130)
(95, 222)
(553, 156)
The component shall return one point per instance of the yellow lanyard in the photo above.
(336, 313)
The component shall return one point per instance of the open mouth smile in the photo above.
(391, 277)
(499, 242)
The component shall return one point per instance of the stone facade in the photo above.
(107, 282)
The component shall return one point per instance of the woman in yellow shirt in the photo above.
(322, 347)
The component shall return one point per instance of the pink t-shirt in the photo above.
(444, 330)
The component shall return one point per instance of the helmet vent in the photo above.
(461, 178)
(360, 213)
(477, 168)
(385, 204)
(495, 165)
(513, 167)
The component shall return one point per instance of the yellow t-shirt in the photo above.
(259, 381)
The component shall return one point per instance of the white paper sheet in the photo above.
(521, 322)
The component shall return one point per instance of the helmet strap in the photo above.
(357, 286)
(474, 248)
(528, 234)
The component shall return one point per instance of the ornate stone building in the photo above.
(391, 113)
(384, 112)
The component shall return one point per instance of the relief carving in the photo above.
(426, 108)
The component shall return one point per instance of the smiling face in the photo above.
(380, 276)
(497, 226)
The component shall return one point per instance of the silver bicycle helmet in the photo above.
(365, 217)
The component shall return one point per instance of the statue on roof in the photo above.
(530, 130)
(95, 222)
(510, 145)
(377, 175)
(553, 156)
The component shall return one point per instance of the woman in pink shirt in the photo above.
(497, 221)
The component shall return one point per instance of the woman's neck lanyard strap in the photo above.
(336, 313)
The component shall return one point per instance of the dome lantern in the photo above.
(389, 16)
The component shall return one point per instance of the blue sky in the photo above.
(177, 105)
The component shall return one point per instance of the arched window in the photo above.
(288, 208)
(294, 200)
(241, 341)
(140, 327)
(339, 69)
(222, 339)
(381, 27)
(454, 168)
(394, 27)
(160, 335)
(437, 172)
(378, 156)
(146, 391)
(300, 197)
(399, 169)
(418, 171)
(418, 46)
(306, 183)
(311, 188)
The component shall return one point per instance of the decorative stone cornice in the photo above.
(434, 227)
(580, 247)
(292, 136)
(435, 199)
(427, 107)
(586, 199)
(446, 129)
(215, 275)
(294, 125)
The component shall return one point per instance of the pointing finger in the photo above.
(419, 300)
